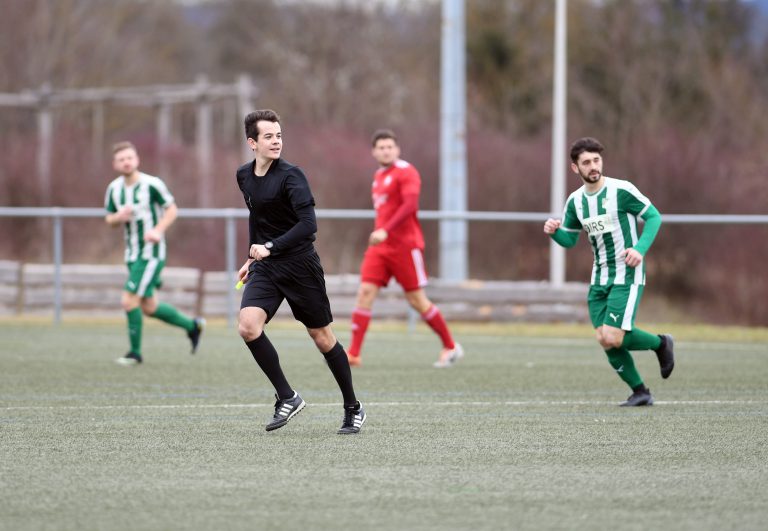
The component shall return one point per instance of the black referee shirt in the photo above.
(281, 206)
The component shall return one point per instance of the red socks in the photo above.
(360, 320)
(435, 320)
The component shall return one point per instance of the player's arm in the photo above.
(566, 232)
(634, 256)
(652, 219)
(159, 194)
(170, 213)
(636, 203)
(115, 217)
(562, 237)
(408, 207)
(409, 182)
(300, 196)
(304, 227)
(243, 272)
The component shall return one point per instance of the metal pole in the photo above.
(204, 143)
(97, 132)
(453, 149)
(164, 124)
(244, 106)
(45, 143)
(557, 197)
(57, 259)
(231, 244)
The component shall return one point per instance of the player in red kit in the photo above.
(395, 249)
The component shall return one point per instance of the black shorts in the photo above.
(300, 280)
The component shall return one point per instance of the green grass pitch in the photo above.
(524, 433)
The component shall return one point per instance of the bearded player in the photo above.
(607, 210)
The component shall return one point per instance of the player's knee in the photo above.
(148, 308)
(601, 338)
(323, 337)
(129, 302)
(418, 299)
(604, 344)
(365, 295)
(249, 330)
(610, 341)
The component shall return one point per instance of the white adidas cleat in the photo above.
(449, 357)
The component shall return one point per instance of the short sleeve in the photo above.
(109, 201)
(631, 200)
(571, 221)
(160, 194)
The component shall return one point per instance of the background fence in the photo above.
(41, 287)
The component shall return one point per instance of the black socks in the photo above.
(337, 362)
(266, 356)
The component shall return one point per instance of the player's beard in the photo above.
(591, 178)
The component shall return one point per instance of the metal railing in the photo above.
(230, 215)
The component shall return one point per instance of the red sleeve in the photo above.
(410, 205)
(410, 181)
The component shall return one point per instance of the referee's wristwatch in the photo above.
(269, 245)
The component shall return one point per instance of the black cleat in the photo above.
(129, 359)
(666, 355)
(285, 410)
(195, 333)
(641, 397)
(354, 417)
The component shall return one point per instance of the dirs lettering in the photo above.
(594, 226)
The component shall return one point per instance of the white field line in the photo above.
(388, 404)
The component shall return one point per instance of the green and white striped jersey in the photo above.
(148, 197)
(609, 218)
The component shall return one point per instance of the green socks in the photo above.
(640, 340)
(622, 362)
(134, 329)
(167, 313)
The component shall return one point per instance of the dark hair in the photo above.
(383, 134)
(120, 146)
(252, 120)
(585, 144)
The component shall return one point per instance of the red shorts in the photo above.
(380, 264)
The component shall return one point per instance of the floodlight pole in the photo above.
(244, 106)
(557, 189)
(164, 125)
(204, 143)
(45, 143)
(453, 148)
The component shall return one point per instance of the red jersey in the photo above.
(390, 185)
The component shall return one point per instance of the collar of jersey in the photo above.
(592, 194)
(271, 167)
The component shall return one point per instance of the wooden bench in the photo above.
(466, 301)
(90, 288)
(95, 290)
(10, 287)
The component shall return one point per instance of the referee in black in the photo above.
(283, 264)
